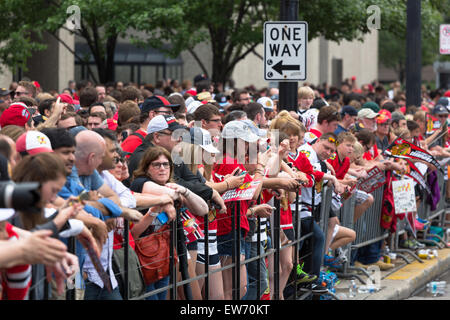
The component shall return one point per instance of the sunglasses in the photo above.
(332, 140)
(117, 160)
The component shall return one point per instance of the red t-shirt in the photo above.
(132, 142)
(224, 220)
(340, 167)
(372, 153)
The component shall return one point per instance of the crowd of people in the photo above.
(107, 155)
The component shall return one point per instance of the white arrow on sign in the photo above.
(285, 50)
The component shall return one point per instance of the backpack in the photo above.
(135, 278)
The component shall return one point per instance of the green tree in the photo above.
(232, 28)
(24, 22)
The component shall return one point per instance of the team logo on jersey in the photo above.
(306, 153)
(333, 156)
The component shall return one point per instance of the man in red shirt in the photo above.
(151, 107)
(327, 121)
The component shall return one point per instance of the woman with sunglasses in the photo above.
(154, 175)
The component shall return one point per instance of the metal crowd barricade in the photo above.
(437, 215)
(174, 283)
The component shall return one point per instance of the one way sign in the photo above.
(285, 50)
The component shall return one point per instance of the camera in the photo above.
(19, 196)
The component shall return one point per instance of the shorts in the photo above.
(361, 196)
(214, 260)
(225, 244)
(335, 231)
(289, 234)
(192, 246)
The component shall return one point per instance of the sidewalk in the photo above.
(406, 278)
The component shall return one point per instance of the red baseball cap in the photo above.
(17, 114)
(65, 97)
(384, 116)
(33, 142)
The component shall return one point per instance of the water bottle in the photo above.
(436, 287)
(160, 220)
(352, 289)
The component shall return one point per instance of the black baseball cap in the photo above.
(155, 102)
(349, 110)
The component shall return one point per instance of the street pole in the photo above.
(288, 90)
(413, 54)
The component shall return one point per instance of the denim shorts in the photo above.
(225, 244)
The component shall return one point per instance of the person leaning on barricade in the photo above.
(199, 155)
(317, 154)
(49, 171)
(157, 166)
(235, 142)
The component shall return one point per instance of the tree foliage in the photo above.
(232, 28)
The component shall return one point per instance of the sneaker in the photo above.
(418, 244)
(303, 277)
(332, 262)
(341, 255)
(318, 288)
(360, 265)
(408, 244)
(383, 265)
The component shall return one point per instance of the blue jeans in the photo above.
(94, 292)
(368, 254)
(318, 244)
(157, 285)
(251, 250)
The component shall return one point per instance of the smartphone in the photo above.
(237, 173)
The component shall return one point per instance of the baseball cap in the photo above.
(221, 100)
(267, 103)
(66, 98)
(447, 94)
(17, 114)
(259, 132)
(6, 213)
(202, 137)
(4, 92)
(384, 116)
(371, 105)
(397, 116)
(155, 102)
(191, 107)
(161, 122)
(204, 97)
(33, 142)
(366, 113)
(239, 129)
(438, 109)
(349, 110)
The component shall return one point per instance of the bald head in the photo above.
(89, 152)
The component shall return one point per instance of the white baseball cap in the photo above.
(6, 213)
(238, 129)
(161, 122)
(33, 142)
(191, 107)
(202, 137)
(266, 102)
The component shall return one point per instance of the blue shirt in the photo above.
(339, 130)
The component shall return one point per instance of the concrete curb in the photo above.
(402, 283)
